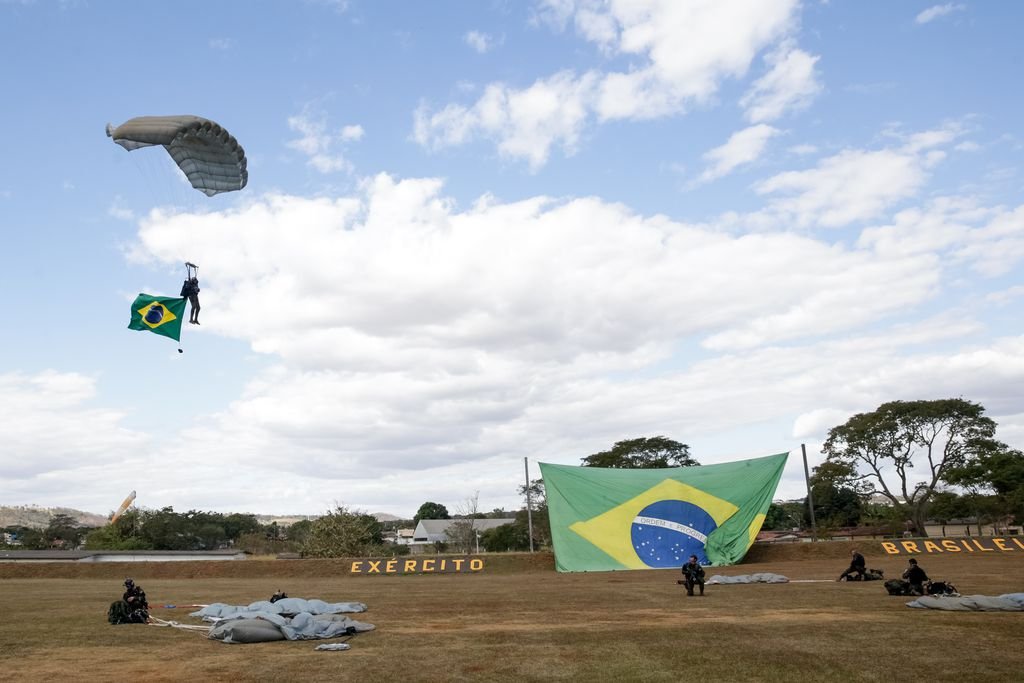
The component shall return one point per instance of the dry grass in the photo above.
(534, 624)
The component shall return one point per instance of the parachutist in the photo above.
(190, 290)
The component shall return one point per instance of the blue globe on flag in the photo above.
(155, 314)
(666, 533)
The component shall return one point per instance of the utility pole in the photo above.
(810, 499)
(529, 502)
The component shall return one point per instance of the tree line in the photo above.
(928, 460)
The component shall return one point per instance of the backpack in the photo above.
(940, 588)
(898, 587)
(119, 613)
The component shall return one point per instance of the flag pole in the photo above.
(810, 498)
(529, 502)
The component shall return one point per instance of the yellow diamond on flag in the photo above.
(611, 531)
(155, 318)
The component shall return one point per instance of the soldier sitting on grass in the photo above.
(132, 608)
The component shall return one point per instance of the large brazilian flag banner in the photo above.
(606, 519)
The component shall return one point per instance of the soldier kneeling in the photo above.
(132, 608)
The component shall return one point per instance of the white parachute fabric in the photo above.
(220, 610)
(264, 627)
(206, 153)
(763, 577)
(287, 619)
(1010, 602)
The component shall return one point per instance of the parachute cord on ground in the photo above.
(156, 621)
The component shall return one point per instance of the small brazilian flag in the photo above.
(158, 314)
(605, 519)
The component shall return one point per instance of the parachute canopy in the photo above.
(207, 154)
(124, 506)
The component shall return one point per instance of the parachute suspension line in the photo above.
(146, 170)
(165, 191)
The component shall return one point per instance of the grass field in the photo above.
(529, 624)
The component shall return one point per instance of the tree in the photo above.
(344, 533)
(876, 452)
(506, 537)
(26, 538)
(210, 536)
(63, 532)
(299, 531)
(237, 524)
(835, 504)
(462, 533)
(784, 516)
(165, 529)
(947, 505)
(431, 511)
(644, 453)
(993, 483)
(109, 537)
(538, 505)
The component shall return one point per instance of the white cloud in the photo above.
(391, 266)
(222, 43)
(417, 347)
(936, 11)
(524, 123)
(48, 426)
(481, 42)
(689, 47)
(990, 240)
(685, 50)
(1005, 296)
(319, 143)
(743, 147)
(380, 322)
(996, 248)
(790, 84)
(803, 149)
(350, 133)
(339, 6)
(853, 185)
(944, 222)
(847, 187)
(119, 211)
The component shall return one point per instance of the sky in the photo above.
(486, 231)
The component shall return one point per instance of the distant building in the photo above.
(436, 530)
(404, 536)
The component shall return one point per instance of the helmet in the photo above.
(128, 583)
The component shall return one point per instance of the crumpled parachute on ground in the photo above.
(287, 619)
(285, 606)
(763, 577)
(206, 153)
(1010, 602)
(262, 627)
